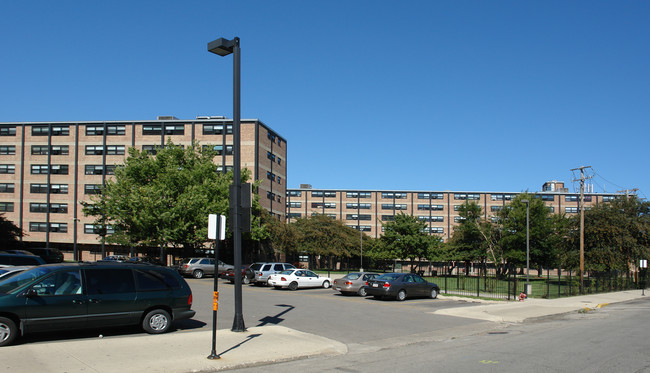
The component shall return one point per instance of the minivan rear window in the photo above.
(152, 279)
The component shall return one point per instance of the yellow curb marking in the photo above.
(602, 305)
(488, 362)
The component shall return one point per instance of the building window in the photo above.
(424, 207)
(174, 129)
(55, 169)
(391, 195)
(151, 149)
(110, 149)
(357, 194)
(496, 208)
(279, 161)
(152, 129)
(56, 208)
(391, 206)
(434, 230)
(111, 129)
(7, 187)
(466, 196)
(270, 156)
(294, 204)
(96, 229)
(7, 169)
(359, 206)
(294, 215)
(295, 193)
(270, 175)
(430, 196)
(502, 197)
(387, 218)
(57, 130)
(357, 217)
(547, 197)
(92, 189)
(608, 198)
(571, 210)
(94, 169)
(329, 194)
(317, 194)
(54, 188)
(571, 198)
(54, 227)
(8, 131)
(219, 149)
(216, 129)
(7, 149)
(6, 206)
(438, 219)
(458, 219)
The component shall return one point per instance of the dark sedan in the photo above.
(401, 286)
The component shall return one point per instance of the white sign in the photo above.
(216, 221)
(643, 263)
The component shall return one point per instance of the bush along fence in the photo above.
(487, 281)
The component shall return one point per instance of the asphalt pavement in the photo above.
(185, 351)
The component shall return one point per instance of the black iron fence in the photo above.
(489, 281)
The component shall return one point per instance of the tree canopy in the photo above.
(163, 199)
(9, 233)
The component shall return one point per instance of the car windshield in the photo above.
(13, 282)
(388, 277)
(287, 272)
(352, 276)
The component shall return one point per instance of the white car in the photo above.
(298, 278)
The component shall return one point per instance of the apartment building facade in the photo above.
(47, 168)
(368, 210)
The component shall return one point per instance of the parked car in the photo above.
(293, 279)
(24, 252)
(230, 275)
(115, 258)
(144, 259)
(265, 269)
(92, 295)
(199, 267)
(21, 259)
(401, 286)
(353, 283)
(49, 255)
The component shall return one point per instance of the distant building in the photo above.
(46, 168)
(366, 210)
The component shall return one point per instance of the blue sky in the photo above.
(380, 95)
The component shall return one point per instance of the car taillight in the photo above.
(283, 279)
(366, 283)
(189, 300)
(386, 284)
(348, 282)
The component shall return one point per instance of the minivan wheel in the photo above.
(8, 331)
(157, 322)
(197, 273)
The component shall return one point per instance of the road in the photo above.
(348, 319)
(611, 339)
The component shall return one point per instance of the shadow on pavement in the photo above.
(275, 320)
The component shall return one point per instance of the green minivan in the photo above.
(81, 295)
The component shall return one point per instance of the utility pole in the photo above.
(627, 192)
(582, 224)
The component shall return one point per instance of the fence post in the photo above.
(478, 285)
(548, 283)
(446, 274)
(559, 281)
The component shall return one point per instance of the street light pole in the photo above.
(225, 47)
(361, 238)
(527, 245)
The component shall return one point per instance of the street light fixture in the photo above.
(528, 287)
(224, 47)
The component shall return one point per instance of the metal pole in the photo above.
(215, 300)
(527, 245)
(361, 238)
(238, 322)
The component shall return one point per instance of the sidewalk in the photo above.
(533, 308)
(187, 351)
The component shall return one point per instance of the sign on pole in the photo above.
(216, 227)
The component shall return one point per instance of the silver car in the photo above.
(266, 269)
(199, 267)
(354, 283)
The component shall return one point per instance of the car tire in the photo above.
(157, 322)
(293, 286)
(326, 284)
(362, 291)
(197, 273)
(401, 295)
(245, 280)
(434, 293)
(8, 331)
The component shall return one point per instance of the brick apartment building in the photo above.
(366, 210)
(47, 168)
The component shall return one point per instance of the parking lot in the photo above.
(348, 319)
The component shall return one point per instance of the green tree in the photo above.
(616, 234)
(164, 199)
(9, 233)
(404, 237)
(468, 240)
(543, 234)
